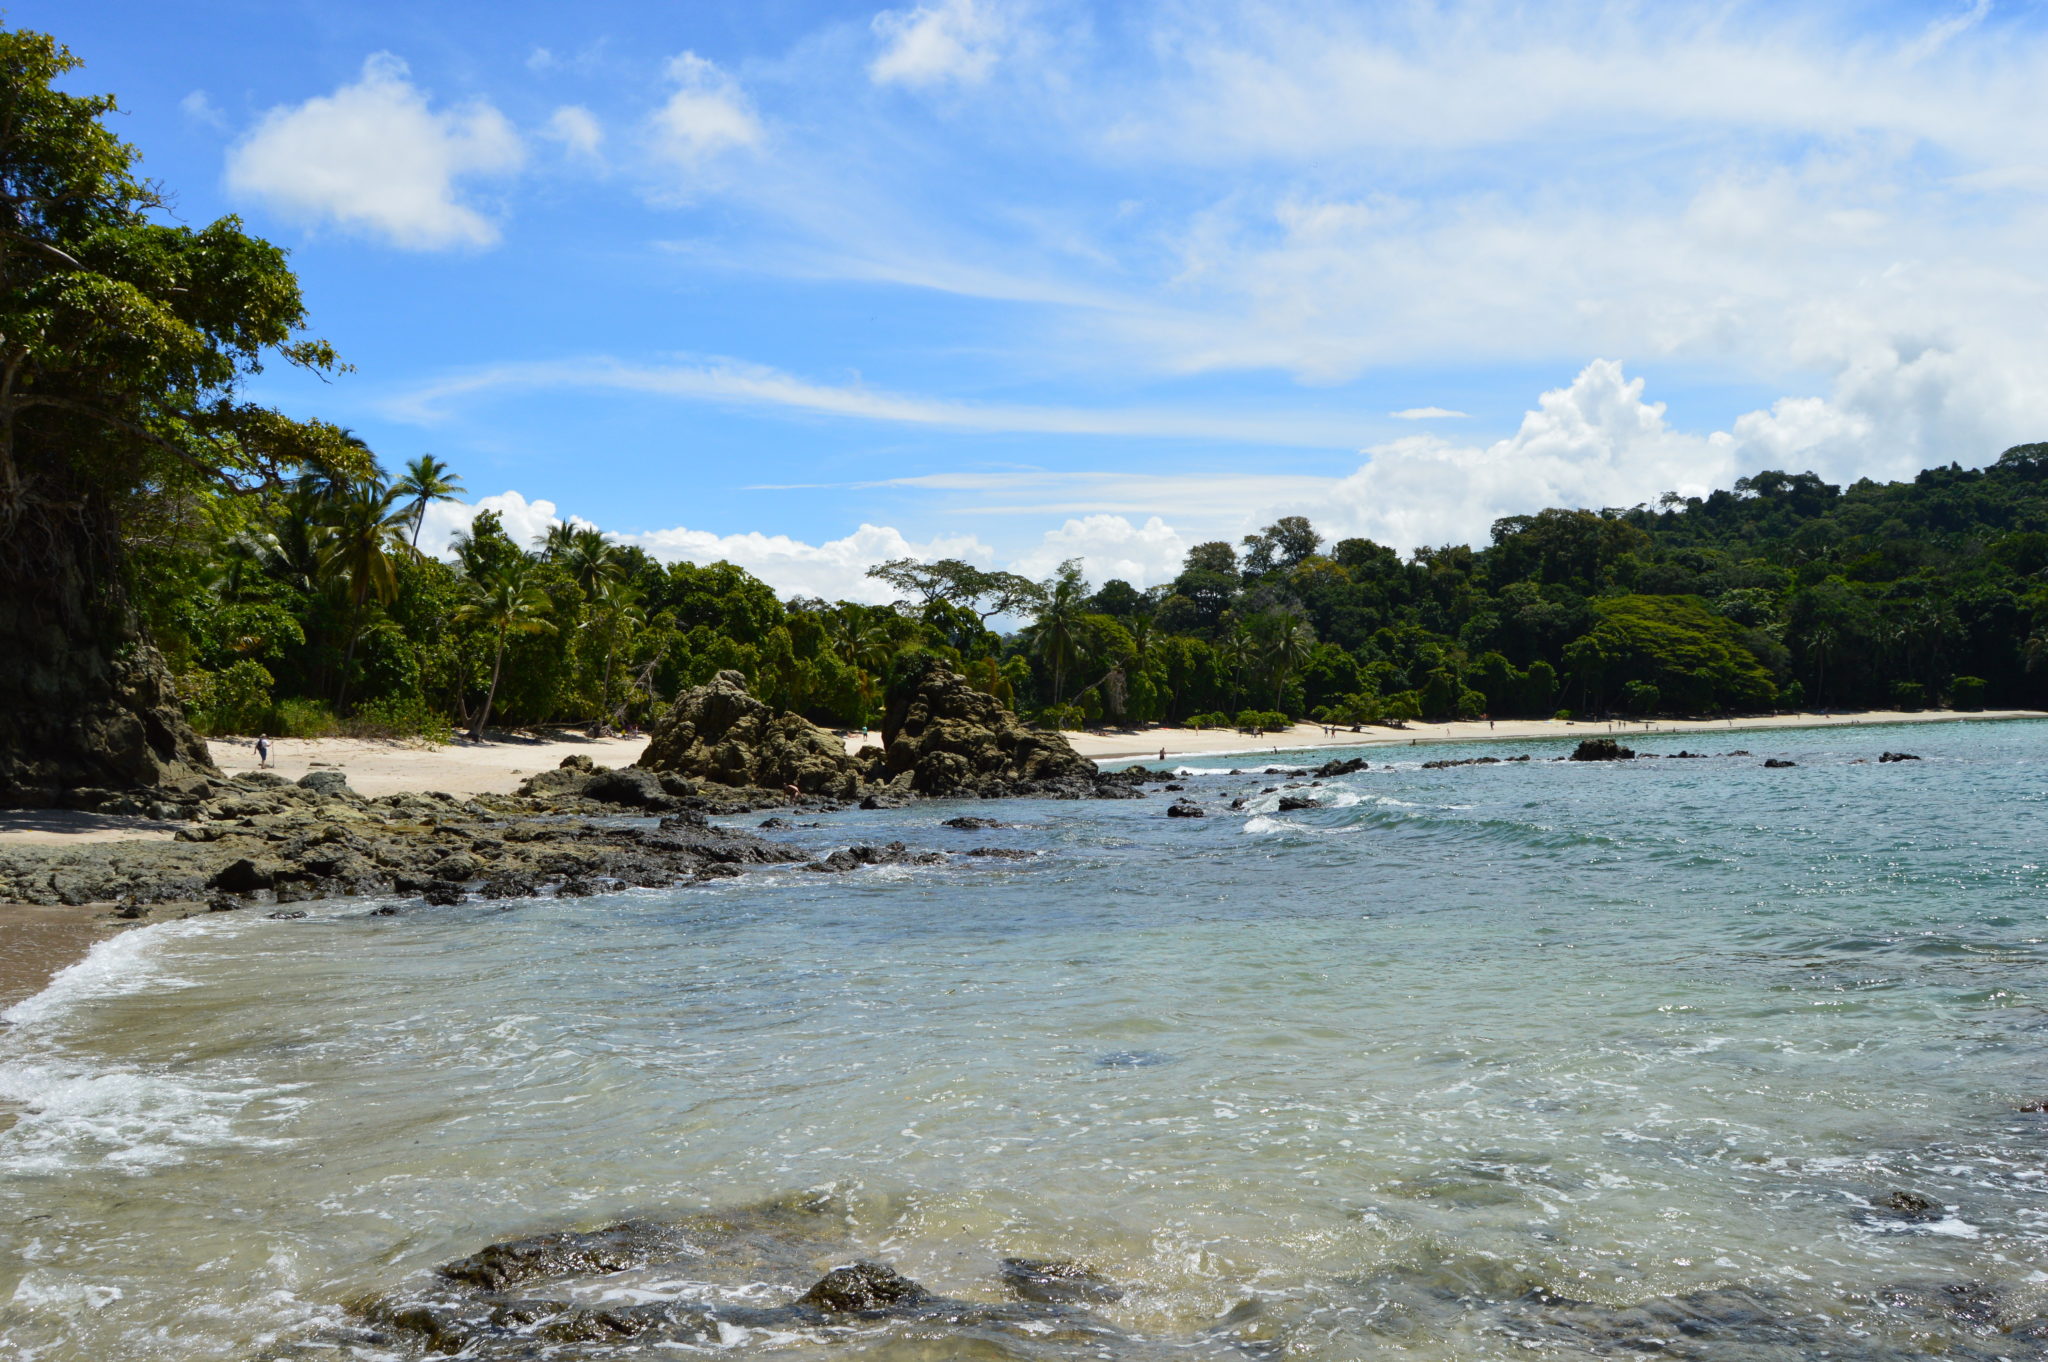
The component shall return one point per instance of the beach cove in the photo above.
(1438, 1063)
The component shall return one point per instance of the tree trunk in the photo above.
(483, 720)
(89, 718)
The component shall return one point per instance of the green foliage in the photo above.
(400, 717)
(298, 717)
(1263, 720)
(234, 700)
(1966, 692)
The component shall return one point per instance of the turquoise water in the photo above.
(1399, 1076)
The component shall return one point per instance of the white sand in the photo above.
(461, 768)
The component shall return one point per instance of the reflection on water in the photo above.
(1692, 1057)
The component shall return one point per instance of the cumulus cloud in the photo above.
(1109, 546)
(953, 40)
(524, 521)
(706, 116)
(200, 108)
(835, 570)
(375, 157)
(577, 130)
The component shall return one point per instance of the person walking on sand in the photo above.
(262, 750)
(1162, 754)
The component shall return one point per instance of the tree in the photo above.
(425, 481)
(952, 581)
(1056, 623)
(505, 603)
(365, 526)
(124, 344)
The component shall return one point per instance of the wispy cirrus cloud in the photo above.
(730, 382)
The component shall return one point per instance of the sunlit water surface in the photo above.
(1367, 1079)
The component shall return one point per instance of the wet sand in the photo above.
(36, 941)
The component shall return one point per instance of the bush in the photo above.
(399, 716)
(1909, 695)
(1640, 697)
(236, 700)
(300, 718)
(1562, 715)
(1966, 692)
(1263, 719)
(1403, 706)
(1792, 695)
(1062, 716)
(1210, 720)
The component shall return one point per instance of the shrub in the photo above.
(236, 700)
(1562, 715)
(1062, 716)
(1640, 697)
(300, 718)
(1908, 695)
(1210, 720)
(1966, 692)
(399, 716)
(1792, 695)
(1263, 719)
(1403, 706)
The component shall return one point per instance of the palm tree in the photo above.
(506, 602)
(1056, 623)
(1288, 651)
(556, 543)
(364, 527)
(592, 560)
(426, 480)
(618, 613)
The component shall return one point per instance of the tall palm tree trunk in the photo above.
(490, 696)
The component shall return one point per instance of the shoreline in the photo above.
(1181, 742)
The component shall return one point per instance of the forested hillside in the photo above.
(308, 608)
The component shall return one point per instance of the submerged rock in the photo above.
(969, 823)
(854, 857)
(1186, 808)
(1897, 756)
(864, 1288)
(1058, 1281)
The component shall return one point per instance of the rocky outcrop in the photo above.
(718, 732)
(260, 839)
(1602, 749)
(941, 736)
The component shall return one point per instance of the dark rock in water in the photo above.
(882, 801)
(1058, 1281)
(632, 788)
(1186, 808)
(2038, 1104)
(441, 893)
(1738, 752)
(1897, 756)
(1601, 749)
(1908, 1206)
(244, 876)
(1969, 1305)
(577, 889)
(774, 823)
(1134, 1059)
(969, 823)
(1485, 761)
(1001, 853)
(1289, 803)
(854, 857)
(1686, 756)
(219, 903)
(611, 1249)
(718, 732)
(1775, 764)
(1176, 786)
(1341, 767)
(862, 1288)
(289, 915)
(686, 818)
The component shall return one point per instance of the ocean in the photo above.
(1685, 1057)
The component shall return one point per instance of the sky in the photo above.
(805, 284)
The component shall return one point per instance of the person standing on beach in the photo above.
(262, 750)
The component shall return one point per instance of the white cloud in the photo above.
(1426, 414)
(755, 385)
(376, 158)
(952, 40)
(200, 108)
(706, 116)
(835, 570)
(577, 129)
(1109, 546)
(524, 521)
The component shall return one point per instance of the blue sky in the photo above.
(808, 284)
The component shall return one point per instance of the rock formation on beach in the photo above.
(720, 733)
(941, 736)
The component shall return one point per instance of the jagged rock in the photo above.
(442, 893)
(631, 787)
(1342, 766)
(969, 823)
(854, 857)
(1185, 808)
(577, 761)
(950, 738)
(1290, 803)
(718, 732)
(774, 823)
(1601, 749)
(862, 1288)
(1001, 853)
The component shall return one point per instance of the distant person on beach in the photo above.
(1162, 754)
(262, 750)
